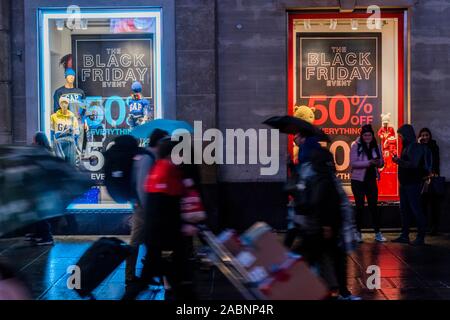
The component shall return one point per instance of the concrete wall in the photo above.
(196, 66)
(5, 73)
(430, 72)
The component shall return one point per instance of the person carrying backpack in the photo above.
(143, 162)
(414, 165)
(172, 210)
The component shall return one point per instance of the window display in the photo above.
(99, 78)
(349, 73)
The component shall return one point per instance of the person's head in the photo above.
(367, 135)
(425, 135)
(155, 137)
(299, 139)
(323, 161)
(164, 147)
(309, 145)
(40, 139)
(64, 103)
(407, 134)
(70, 75)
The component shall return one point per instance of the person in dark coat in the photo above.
(431, 203)
(42, 235)
(326, 207)
(414, 165)
(306, 147)
(163, 224)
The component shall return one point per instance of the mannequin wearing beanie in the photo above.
(68, 90)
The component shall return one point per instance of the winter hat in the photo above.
(69, 72)
(136, 87)
(385, 118)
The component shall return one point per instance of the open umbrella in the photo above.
(35, 185)
(293, 125)
(145, 130)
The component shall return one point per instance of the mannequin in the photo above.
(64, 131)
(138, 106)
(68, 90)
(76, 98)
(388, 139)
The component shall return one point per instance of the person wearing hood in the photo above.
(298, 172)
(365, 160)
(325, 208)
(430, 201)
(414, 164)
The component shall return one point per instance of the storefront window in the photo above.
(349, 72)
(104, 66)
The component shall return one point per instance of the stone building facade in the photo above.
(226, 65)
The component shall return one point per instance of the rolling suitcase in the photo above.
(99, 261)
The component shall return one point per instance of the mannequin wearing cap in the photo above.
(138, 106)
(64, 130)
(68, 90)
(63, 122)
(75, 97)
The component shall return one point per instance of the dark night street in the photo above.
(407, 272)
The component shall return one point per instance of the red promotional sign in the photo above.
(338, 76)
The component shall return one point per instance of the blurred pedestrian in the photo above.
(141, 167)
(42, 235)
(326, 204)
(11, 287)
(163, 223)
(414, 164)
(301, 170)
(431, 202)
(365, 160)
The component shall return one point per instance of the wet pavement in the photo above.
(407, 272)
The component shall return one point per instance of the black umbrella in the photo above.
(35, 185)
(293, 125)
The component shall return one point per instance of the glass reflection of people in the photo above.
(64, 130)
(138, 106)
(431, 202)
